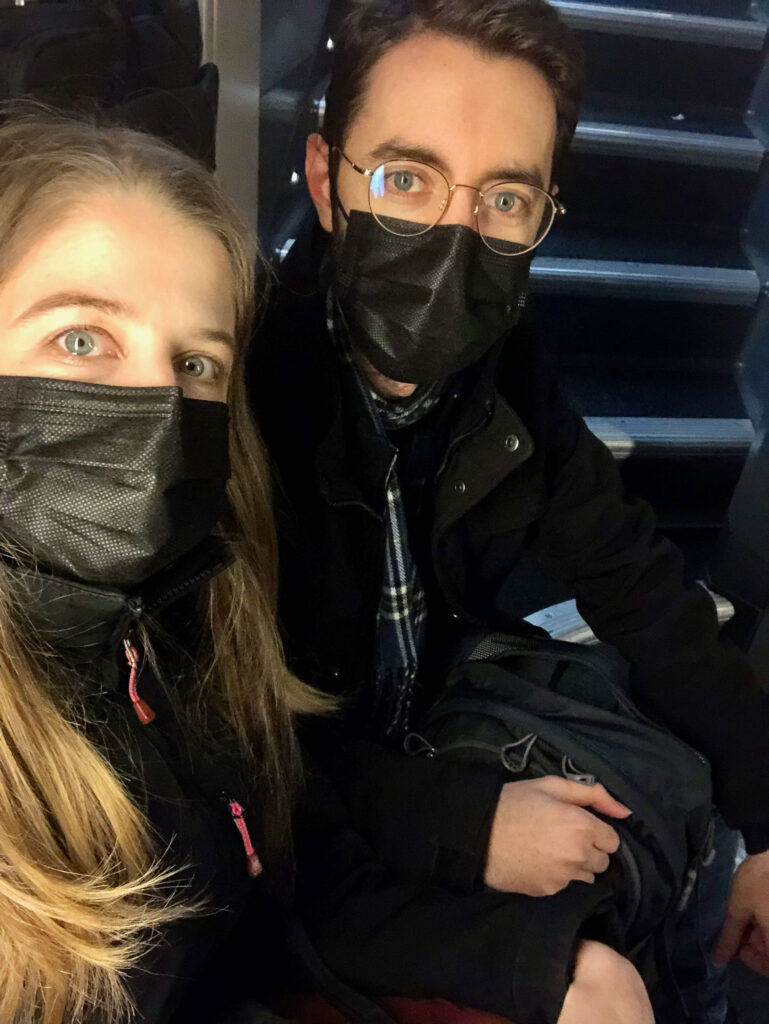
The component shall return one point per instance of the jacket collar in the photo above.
(87, 624)
(352, 458)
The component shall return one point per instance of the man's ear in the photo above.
(318, 181)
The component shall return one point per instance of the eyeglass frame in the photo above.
(558, 208)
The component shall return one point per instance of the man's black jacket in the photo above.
(522, 482)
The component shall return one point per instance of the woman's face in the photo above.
(123, 291)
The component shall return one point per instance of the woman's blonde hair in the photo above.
(81, 889)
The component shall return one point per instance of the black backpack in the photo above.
(534, 707)
(136, 60)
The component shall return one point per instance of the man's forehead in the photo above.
(468, 110)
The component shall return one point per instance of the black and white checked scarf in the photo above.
(402, 612)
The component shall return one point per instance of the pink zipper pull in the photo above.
(144, 712)
(252, 859)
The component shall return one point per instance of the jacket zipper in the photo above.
(144, 712)
(254, 865)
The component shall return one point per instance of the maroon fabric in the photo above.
(315, 1010)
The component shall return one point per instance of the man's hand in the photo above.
(543, 837)
(745, 935)
(606, 989)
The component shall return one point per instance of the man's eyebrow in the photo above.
(61, 300)
(396, 148)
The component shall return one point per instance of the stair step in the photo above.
(665, 391)
(622, 335)
(738, 33)
(669, 144)
(623, 279)
(626, 435)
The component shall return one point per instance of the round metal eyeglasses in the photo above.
(409, 198)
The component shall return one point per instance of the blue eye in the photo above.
(202, 367)
(403, 181)
(505, 202)
(79, 343)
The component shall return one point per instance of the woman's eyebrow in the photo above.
(212, 334)
(62, 300)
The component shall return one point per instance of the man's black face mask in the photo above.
(108, 485)
(422, 307)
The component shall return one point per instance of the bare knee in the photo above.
(606, 989)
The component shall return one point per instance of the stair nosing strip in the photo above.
(722, 285)
(671, 25)
(624, 435)
(677, 145)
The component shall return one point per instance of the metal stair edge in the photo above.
(618, 278)
(674, 145)
(563, 621)
(740, 33)
(626, 435)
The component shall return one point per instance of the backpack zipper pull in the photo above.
(254, 865)
(144, 712)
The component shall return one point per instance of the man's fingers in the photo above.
(596, 797)
(597, 862)
(730, 939)
(584, 876)
(604, 836)
(756, 961)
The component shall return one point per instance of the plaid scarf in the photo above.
(402, 612)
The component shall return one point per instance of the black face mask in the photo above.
(105, 484)
(422, 307)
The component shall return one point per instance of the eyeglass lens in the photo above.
(408, 198)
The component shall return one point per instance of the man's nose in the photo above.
(462, 207)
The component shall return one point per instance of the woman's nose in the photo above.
(147, 371)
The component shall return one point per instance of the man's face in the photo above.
(478, 119)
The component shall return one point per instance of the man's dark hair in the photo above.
(527, 29)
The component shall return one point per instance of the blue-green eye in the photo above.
(403, 181)
(79, 343)
(198, 366)
(505, 202)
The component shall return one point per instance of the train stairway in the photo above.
(649, 290)
(652, 292)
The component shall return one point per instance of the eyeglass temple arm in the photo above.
(360, 170)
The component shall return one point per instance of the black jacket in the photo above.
(178, 780)
(522, 483)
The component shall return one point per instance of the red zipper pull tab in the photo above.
(144, 712)
(252, 859)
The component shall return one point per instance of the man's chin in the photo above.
(384, 386)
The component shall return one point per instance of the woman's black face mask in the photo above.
(421, 307)
(105, 484)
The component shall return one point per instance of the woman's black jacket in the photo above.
(183, 785)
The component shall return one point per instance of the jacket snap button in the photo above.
(460, 487)
(512, 443)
